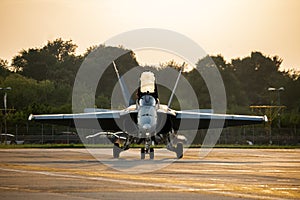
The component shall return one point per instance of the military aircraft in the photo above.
(147, 122)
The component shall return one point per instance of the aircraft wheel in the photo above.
(116, 150)
(143, 153)
(179, 150)
(151, 153)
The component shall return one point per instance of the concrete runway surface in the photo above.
(75, 174)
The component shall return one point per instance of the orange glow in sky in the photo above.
(232, 28)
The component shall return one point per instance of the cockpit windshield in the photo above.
(147, 100)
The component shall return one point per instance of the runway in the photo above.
(77, 174)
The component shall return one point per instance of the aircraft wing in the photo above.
(109, 120)
(187, 120)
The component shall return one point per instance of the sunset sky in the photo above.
(232, 28)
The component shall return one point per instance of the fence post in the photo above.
(27, 128)
(52, 134)
(42, 133)
(16, 132)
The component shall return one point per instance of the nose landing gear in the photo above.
(149, 151)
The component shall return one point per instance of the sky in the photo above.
(232, 28)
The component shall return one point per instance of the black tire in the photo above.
(142, 153)
(116, 150)
(179, 150)
(151, 153)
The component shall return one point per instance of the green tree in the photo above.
(55, 61)
(4, 71)
(44, 79)
(236, 95)
(256, 74)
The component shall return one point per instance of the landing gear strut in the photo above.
(116, 150)
(179, 150)
(145, 151)
(142, 153)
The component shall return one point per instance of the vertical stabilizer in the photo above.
(125, 91)
(175, 86)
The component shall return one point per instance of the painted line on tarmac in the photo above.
(57, 174)
(181, 188)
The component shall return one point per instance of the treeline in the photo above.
(42, 80)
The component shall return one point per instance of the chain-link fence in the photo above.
(255, 135)
(35, 133)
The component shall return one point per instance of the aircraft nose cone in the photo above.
(146, 127)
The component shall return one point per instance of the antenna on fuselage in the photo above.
(125, 92)
(175, 86)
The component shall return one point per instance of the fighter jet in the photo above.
(147, 122)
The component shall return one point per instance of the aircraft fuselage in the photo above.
(147, 116)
